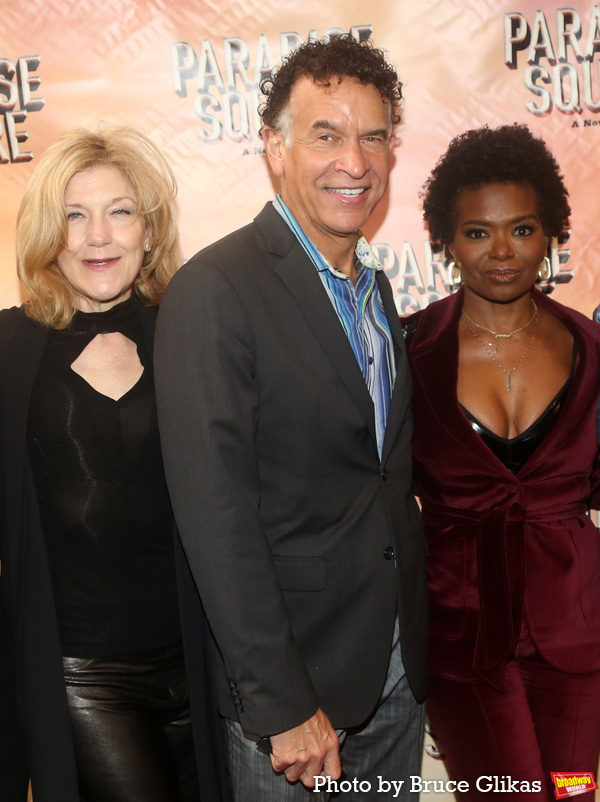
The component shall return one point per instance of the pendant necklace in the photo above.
(498, 335)
(488, 346)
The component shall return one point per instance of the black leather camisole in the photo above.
(515, 451)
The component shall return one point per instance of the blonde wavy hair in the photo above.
(42, 221)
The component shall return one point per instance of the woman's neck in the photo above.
(501, 318)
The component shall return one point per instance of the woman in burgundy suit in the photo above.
(506, 383)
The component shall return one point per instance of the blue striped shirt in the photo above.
(360, 310)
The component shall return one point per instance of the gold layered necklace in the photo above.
(491, 348)
(497, 334)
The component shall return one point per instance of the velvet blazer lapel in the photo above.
(585, 387)
(434, 362)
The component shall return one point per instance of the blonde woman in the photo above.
(88, 551)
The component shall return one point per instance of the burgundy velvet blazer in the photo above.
(504, 546)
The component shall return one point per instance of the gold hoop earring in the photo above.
(454, 274)
(545, 269)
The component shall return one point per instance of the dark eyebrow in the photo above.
(519, 219)
(380, 132)
(327, 125)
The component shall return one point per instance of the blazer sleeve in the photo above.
(209, 406)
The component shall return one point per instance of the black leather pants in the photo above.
(131, 727)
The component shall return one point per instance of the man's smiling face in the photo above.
(334, 160)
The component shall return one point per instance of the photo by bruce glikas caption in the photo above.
(485, 783)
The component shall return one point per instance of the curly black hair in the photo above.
(340, 56)
(509, 154)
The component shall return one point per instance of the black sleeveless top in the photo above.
(103, 499)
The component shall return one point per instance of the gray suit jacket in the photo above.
(285, 511)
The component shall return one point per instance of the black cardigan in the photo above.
(27, 590)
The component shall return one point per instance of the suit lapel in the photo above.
(583, 392)
(434, 362)
(300, 276)
(402, 391)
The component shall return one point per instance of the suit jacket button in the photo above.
(239, 708)
(232, 683)
(389, 553)
(384, 474)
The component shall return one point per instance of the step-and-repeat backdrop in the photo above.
(187, 72)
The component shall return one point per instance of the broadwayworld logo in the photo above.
(571, 783)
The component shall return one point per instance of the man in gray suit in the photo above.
(284, 406)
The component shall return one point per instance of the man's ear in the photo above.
(274, 147)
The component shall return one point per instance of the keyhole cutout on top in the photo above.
(110, 364)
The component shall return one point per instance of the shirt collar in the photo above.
(364, 254)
